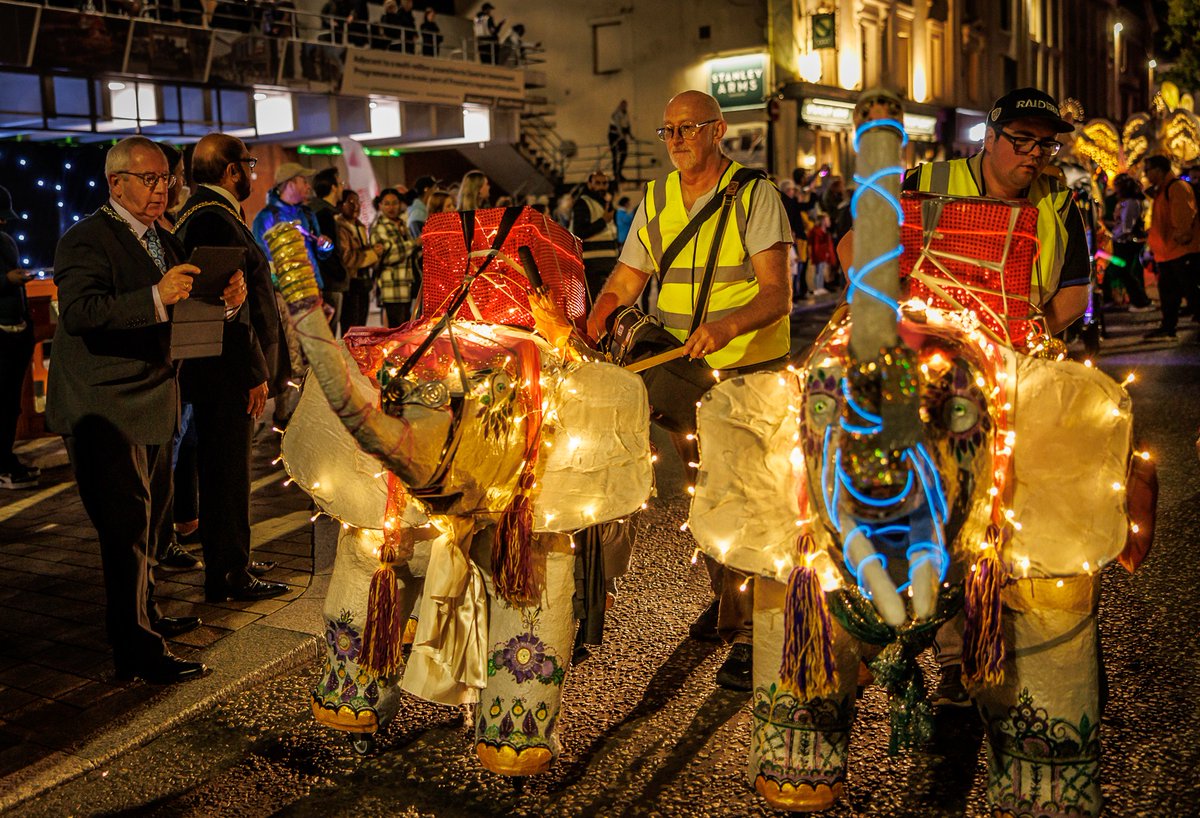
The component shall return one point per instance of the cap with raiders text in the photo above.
(1028, 103)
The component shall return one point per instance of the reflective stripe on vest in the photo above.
(957, 177)
(603, 245)
(734, 284)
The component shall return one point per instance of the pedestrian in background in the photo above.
(327, 196)
(397, 289)
(1174, 240)
(487, 34)
(360, 257)
(431, 35)
(619, 136)
(1129, 238)
(473, 191)
(16, 350)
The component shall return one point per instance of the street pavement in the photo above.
(645, 729)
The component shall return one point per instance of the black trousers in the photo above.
(1178, 278)
(356, 303)
(125, 488)
(397, 312)
(16, 350)
(223, 434)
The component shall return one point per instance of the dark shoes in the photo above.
(19, 478)
(171, 626)
(252, 590)
(163, 670)
(738, 671)
(1160, 334)
(950, 691)
(174, 558)
(261, 569)
(704, 628)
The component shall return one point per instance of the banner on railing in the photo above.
(421, 79)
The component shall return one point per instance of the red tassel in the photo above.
(383, 632)
(809, 668)
(983, 640)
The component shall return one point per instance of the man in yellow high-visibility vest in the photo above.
(744, 325)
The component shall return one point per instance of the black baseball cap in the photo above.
(423, 184)
(6, 209)
(1028, 103)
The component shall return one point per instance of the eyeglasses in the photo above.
(250, 161)
(687, 131)
(150, 180)
(1023, 145)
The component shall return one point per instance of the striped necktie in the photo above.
(155, 248)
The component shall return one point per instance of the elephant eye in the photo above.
(960, 414)
(822, 409)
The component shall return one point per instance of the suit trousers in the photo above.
(125, 489)
(223, 436)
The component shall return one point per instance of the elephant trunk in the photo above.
(412, 457)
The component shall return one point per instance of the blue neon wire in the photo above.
(872, 183)
(880, 123)
(853, 404)
(937, 479)
(826, 489)
(860, 430)
(844, 479)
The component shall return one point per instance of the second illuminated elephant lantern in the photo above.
(915, 472)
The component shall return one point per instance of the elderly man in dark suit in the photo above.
(113, 396)
(228, 392)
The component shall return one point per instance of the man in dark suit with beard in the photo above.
(113, 396)
(228, 392)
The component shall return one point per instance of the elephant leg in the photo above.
(1043, 721)
(517, 715)
(348, 697)
(798, 750)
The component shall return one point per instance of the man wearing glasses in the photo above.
(744, 325)
(229, 392)
(1021, 138)
(113, 397)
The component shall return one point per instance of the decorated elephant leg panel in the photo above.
(798, 749)
(347, 696)
(1043, 721)
(530, 649)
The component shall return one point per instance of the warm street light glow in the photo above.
(1118, 28)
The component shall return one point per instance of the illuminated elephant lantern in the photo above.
(458, 456)
(912, 467)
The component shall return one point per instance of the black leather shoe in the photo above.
(164, 670)
(738, 671)
(174, 558)
(704, 628)
(171, 626)
(261, 569)
(251, 591)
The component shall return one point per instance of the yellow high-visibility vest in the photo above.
(958, 177)
(734, 284)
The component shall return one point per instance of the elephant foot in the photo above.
(505, 760)
(799, 797)
(345, 718)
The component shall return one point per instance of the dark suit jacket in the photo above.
(252, 349)
(111, 355)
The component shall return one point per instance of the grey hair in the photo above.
(121, 154)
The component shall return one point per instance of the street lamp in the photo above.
(1150, 66)
(1116, 85)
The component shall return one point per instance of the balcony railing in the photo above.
(243, 44)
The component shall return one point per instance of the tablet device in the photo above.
(217, 265)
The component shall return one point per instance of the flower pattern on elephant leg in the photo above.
(797, 744)
(1042, 766)
(343, 683)
(531, 676)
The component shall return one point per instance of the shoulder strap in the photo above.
(710, 266)
(740, 177)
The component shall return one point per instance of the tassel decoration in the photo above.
(809, 668)
(514, 574)
(983, 641)
(383, 633)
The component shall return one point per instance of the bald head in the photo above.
(694, 104)
(218, 159)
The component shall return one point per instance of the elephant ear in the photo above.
(1181, 136)
(1074, 430)
(751, 476)
(325, 460)
(597, 466)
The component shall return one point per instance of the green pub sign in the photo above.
(824, 31)
(738, 82)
